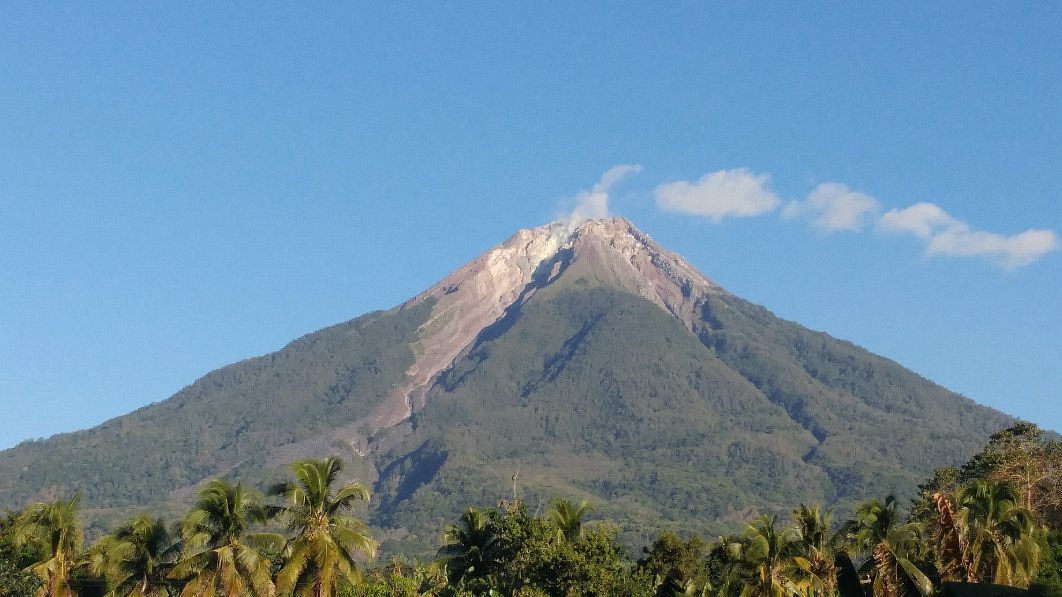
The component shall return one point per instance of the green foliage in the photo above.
(999, 535)
(724, 567)
(14, 580)
(471, 549)
(1022, 457)
(517, 554)
(894, 552)
(772, 561)
(568, 516)
(508, 551)
(51, 531)
(326, 538)
(136, 558)
(945, 480)
(819, 545)
(221, 554)
(986, 516)
(1048, 582)
(418, 580)
(676, 565)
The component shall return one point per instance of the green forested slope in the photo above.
(586, 391)
(600, 393)
(879, 425)
(594, 393)
(229, 419)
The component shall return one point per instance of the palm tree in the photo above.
(220, 552)
(818, 545)
(725, 567)
(953, 551)
(999, 534)
(326, 538)
(471, 548)
(891, 549)
(771, 561)
(430, 579)
(136, 558)
(568, 517)
(52, 529)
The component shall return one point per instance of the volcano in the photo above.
(581, 361)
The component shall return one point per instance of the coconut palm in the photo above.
(891, 548)
(221, 554)
(52, 530)
(999, 534)
(136, 557)
(326, 538)
(430, 579)
(470, 548)
(772, 562)
(725, 567)
(818, 545)
(568, 517)
(953, 551)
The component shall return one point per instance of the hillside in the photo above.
(589, 361)
(597, 394)
(244, 418)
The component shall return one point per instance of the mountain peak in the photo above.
(610, 251)
(585, 355)
(636, 262)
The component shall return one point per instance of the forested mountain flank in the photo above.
(586, 361)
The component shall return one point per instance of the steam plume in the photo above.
(593, 204)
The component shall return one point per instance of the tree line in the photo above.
(995, 522)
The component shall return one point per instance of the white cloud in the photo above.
(737, 192)
(593, 204)
(947, 235)
(833, 206)
(1010, 251)
(921, 219)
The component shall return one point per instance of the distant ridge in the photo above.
(596, 362)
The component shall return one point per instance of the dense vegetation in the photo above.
(996, 520)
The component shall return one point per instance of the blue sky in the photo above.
(185, 186)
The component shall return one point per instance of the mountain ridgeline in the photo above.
(583, 362)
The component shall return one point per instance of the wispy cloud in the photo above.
(833, 206)
(593, 204)
(717, 195)
(947, 235)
